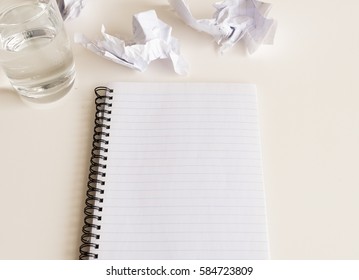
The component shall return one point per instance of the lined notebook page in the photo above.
(184, 174)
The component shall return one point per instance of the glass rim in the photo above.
(11, 5)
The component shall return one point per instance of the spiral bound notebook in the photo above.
(176, 173)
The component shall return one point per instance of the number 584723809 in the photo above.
(223, 270)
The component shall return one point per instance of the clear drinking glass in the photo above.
(35, 51)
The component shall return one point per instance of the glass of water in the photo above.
(35, 51)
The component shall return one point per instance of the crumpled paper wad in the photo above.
(152, 40)
(233, 20)
(70, 9)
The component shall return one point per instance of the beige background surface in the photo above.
(308, 103)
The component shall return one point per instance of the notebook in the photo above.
(176, 173)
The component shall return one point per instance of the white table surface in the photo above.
(308, 104)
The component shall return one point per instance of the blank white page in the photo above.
(184, 174)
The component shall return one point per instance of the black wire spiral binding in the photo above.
(96, 183)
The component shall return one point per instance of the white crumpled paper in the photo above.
(70, 9)
(234, 20)
(152, 40)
